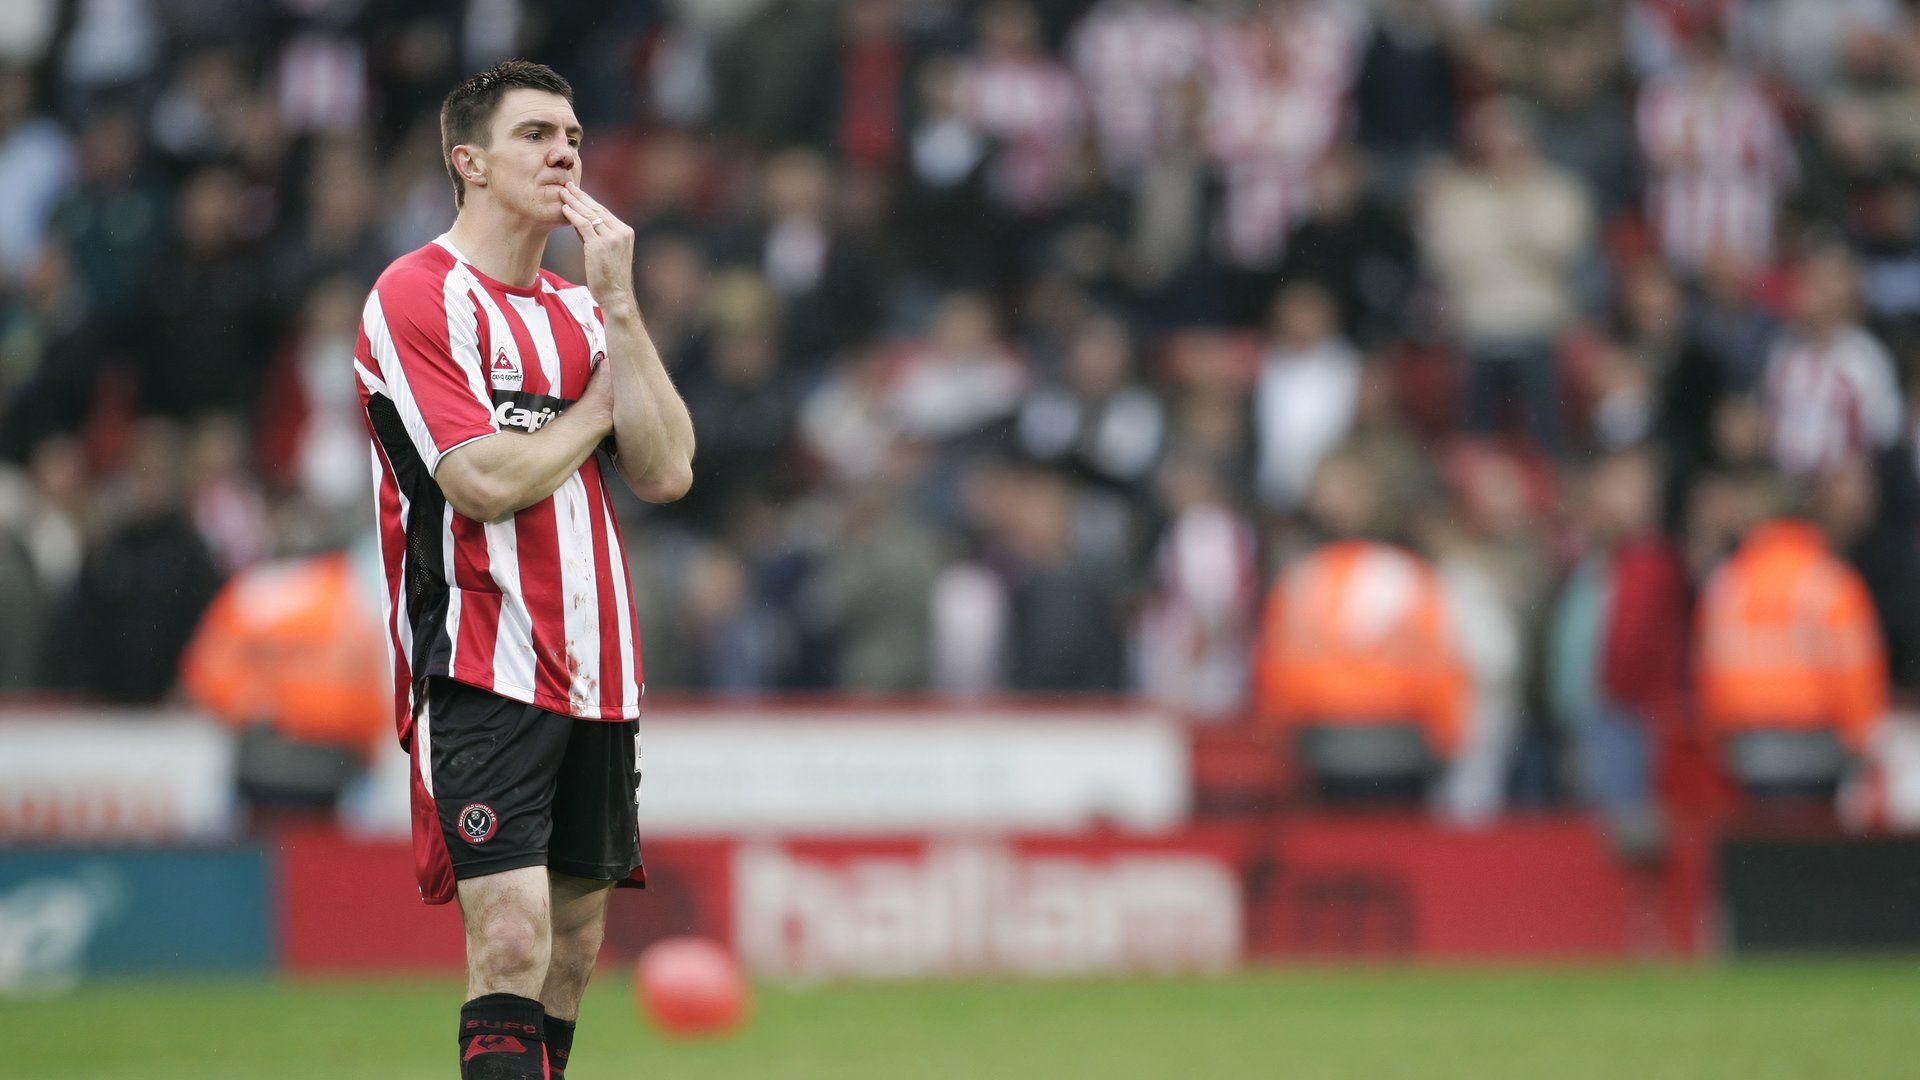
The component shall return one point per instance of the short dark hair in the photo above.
(468, 110)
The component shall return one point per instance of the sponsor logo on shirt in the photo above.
(506, 374)
(509, 415)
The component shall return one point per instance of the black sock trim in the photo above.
(503, 1014)
(559, 1038)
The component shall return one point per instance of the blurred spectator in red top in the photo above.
(1617, 646)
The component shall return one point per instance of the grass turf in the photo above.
(1792, 1021)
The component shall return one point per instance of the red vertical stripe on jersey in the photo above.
(479, 601)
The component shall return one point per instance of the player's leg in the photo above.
(508, 918)
(595, 843)
(494, 769)
(579, 908)
(502, 1031)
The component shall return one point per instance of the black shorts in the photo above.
(516, 785)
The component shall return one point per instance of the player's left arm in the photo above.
(653, 434)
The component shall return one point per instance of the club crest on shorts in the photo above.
(477, 823)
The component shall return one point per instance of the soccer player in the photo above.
(501, 400)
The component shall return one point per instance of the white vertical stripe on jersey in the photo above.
(580, 592)
(534, 317)
(513, 663)
(617, 565)
(463, 338)
(423, 745)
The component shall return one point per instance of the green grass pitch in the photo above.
(1791, 1021)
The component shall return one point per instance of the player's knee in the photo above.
(511, 941)
(578, 941)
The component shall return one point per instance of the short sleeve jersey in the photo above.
(537, 606)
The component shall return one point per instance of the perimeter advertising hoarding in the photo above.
(69, 914)
(1195, 899)
(114, 777)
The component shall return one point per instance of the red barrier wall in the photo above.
(1294, 888)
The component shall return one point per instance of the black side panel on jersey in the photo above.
(426, 584)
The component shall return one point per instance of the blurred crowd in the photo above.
(1028, 341)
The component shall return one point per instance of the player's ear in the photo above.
(471, 168)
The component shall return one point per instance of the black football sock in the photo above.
(559, 1044)
(501, 1039)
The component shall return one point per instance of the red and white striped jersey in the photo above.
(1129, 54)
(1831, 399)
(1276, 98)
(535, 607)
(1035, 107)
(1720, 160)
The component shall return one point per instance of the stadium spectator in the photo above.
(1026, 101)
(1356, 244)
(293, 654)
(1275, 92)
(743, 412)
(1195, 634)
(1790, 670)
(1847, 505)
(1304, 403)
(1504, 232)
(1488, 639)
(1132, 56)
(1617, 647)
(1097, 421)
(1065, 621)
(1406, 92)
(1831, 387)
(119, 631)
(1357, 664)
(36, 164)
(871, 592)
(1718, 156)
(816, 269)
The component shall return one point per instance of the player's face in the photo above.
(535, 150)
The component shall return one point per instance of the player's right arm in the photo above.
(493, 477)
(429, 389)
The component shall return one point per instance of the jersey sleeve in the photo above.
(428, 353)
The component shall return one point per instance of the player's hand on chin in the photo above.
(609, 247)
